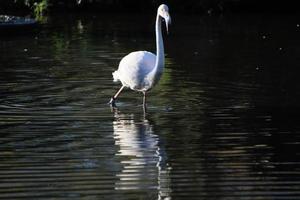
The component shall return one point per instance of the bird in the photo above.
(141, 70)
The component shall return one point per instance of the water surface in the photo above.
(222, 124)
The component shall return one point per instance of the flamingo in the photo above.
(141, 70)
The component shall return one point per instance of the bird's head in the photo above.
(163, 11)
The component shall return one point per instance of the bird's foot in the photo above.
(112, 102)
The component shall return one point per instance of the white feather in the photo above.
(133, 70)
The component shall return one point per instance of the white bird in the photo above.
(141, 70)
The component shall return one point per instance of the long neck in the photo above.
(156, 73)
(160, 54)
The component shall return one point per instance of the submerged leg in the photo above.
(112, 100)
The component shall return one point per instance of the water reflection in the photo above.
(142, 155)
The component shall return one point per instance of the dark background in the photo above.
(178, 6)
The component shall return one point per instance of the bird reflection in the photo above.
(142, 158)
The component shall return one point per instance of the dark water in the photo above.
(222, 124)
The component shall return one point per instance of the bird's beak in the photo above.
(168, 21)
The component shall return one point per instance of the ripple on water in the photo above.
(216, 128)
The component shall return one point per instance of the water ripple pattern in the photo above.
(223, 123)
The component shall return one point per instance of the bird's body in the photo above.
(134, 70)
(141, 70)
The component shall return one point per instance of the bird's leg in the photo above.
(112, 100)
(144, 98)
(144, 102)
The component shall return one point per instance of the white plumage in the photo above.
(141, 70)
(133, 70)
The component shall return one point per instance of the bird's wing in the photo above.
(134, 67)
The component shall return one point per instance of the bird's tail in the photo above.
(116, 76)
